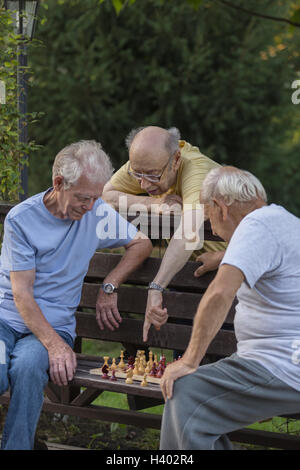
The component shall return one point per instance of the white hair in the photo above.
(85, 156)
(231, 184)
(171, 144)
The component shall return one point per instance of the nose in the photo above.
(145, 184)
(88, 206)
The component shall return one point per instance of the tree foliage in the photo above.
(12, 151)
(222, 77)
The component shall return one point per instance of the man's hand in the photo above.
(62, 362)
(155, 314)
(173, 372)
(107, 313)
(210, 262)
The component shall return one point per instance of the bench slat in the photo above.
(170, 336)
(102, 263)
(134, 300)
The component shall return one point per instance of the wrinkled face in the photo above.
(78, 199)
(155, 175)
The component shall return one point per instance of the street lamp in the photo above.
(24, 13)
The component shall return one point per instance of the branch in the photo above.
(260, 15)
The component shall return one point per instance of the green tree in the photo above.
(12, 151)
(222, 77)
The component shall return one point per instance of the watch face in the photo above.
(108, 288)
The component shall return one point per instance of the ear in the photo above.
(177, 160)
(58, 183)
(223, 208)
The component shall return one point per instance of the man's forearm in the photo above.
(113, 198)
(173, 261)
(133, 257)
(209, 318)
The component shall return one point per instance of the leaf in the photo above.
(118, 5)
(296, 16)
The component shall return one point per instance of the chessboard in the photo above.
(136, 369)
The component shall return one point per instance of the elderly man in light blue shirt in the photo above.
(49, 240)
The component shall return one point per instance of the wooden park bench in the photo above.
(182, 301)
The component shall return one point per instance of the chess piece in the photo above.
(151, 358)
(136, 366)
(106, 361)
(129, 374)
(144, 383)
(104, 370)
(153, 371)
(148, 368)
(113, 376)
(141, 367)
(113, 366)
(122, 364)
(130, 362)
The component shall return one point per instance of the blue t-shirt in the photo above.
(266, 248)
(60, 251)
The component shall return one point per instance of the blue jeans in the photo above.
(24, 368)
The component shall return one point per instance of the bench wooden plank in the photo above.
(184, 280)
(170, 336)
(134, 299)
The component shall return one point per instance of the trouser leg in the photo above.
(220, 398)
(28, 376)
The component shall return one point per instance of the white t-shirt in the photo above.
(266, 248)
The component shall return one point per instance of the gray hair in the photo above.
(85, 156)
(172, 144)
(231, 184)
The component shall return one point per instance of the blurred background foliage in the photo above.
(223, 77)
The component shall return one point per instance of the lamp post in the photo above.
(24, 14)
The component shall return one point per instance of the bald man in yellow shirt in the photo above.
(167, 171)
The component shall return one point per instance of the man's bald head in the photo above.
(152, 145)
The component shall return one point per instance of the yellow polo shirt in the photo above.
(193, 168)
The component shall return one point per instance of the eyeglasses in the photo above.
(150, 178)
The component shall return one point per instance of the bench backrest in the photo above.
(182, 299)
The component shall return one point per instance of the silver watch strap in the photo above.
(153, 285)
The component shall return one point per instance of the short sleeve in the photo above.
(112, 229)
(193, 174)
(253, 249)
(123, 182)
(17, 253)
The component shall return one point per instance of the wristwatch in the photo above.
(153, 285)
(109, 288)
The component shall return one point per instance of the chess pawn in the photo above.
(153, 371)
(114, 366)
(113, 376)
(151, 358)
(106, 361)
(129, 375)
(155, 359)
(159, 372)
(144, 383)
(105, 371)
(148, 368)
(141, 367)
(121, 364)
(136, 366)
